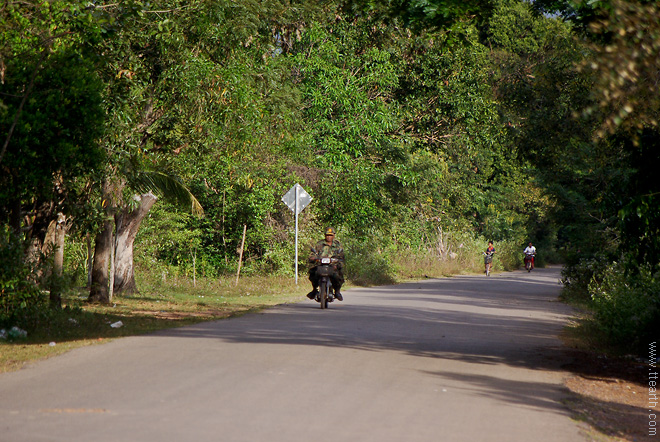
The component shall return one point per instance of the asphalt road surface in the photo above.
(469, 358)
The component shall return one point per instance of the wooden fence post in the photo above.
(240, 257)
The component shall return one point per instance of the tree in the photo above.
(114, 242)
(626, 64)
(150, 184)
(539, 87)
(626, 68)
(347, 85)
(50, 116)
(144, 96)
(424, 15)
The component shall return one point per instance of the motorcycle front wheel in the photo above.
(324, 288)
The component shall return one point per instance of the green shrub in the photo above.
(75, 261)
(627, 307)
(368, 265)
(577, 275)
(19, 289)
(509, 254)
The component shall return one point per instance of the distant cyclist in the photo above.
(488, 257)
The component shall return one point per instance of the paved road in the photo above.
(467, 358)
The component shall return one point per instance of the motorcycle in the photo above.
(529, 257)
(324, 270)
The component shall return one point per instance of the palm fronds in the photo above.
(168, 187)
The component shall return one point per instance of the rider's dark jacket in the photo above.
(323, 250)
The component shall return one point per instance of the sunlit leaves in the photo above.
(347, 94)
(348, 85)
(627, 65)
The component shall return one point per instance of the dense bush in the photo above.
(510, 254)
(19, 289)
(367, 264)
(627, 307)
(578, 274)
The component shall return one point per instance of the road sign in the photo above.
(296, 199)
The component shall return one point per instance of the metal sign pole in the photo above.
(296, 199)
(296, 211)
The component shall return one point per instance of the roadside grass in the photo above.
(420, 264)
(159, 305)
(417, 266)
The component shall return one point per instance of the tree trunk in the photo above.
(128, 223)
(90, 260)
(58, 237)
(100, 289)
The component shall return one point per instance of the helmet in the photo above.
(330, 231)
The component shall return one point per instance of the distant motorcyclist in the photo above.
(530, 253)
(327, 248)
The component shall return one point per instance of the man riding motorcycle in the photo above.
(530, 253)
(327, 248)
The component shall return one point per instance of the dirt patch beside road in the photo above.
(611, 395)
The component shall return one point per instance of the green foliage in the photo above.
(430, 14)
(167, 236)
(510, 254)
(368, 265)
(347, 87)
(599, 163)
(451, 113)
(626, 307)
(54, 140)
(19, 289)
(577, 275)
(639, 220)
(626, 64)
(367, 169)
(517, 27)
(75, 260)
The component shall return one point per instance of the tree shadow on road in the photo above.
(509, 321)
(528, 394)
(487, 324)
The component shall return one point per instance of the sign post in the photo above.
(296, 199)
